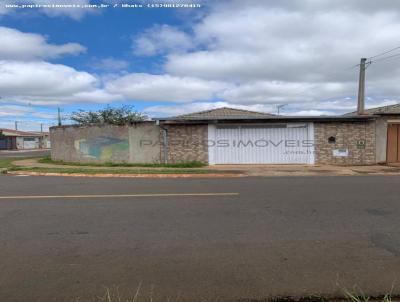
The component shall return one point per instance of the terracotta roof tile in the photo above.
(391, 109)
(221, 113)
(19, 133)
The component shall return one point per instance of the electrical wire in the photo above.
(370, 59)
(368, 63)
(384, 53)
(26, 122)
(385, 58)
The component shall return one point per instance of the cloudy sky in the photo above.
(252, 54)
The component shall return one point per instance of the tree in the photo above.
(112, 116)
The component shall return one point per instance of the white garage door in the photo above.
(31, 143)
(273, 144)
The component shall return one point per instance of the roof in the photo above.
(11, 132)
(229, 115)
(391, 109)
(222, 113)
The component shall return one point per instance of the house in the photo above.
(243, 137)
(17, 140)
(234, 136)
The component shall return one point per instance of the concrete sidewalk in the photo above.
(310, 170)
(250, 170)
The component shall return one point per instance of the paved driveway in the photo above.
(278, 236)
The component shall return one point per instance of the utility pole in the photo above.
(16, 125)
(41, 128)
(59, 116)
(280, 107)
(361, 88)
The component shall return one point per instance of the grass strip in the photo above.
(7, 163)
(192, 164)
(114, 171)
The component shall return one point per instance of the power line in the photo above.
(385, 58)
(366, 65)
(352, 67)
(384, 53)
(370, 61)
(26, 122)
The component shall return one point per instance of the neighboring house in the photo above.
(384, 110)
(23, 140)
(44, 139)
(387, 132)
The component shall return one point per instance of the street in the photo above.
(197, 239)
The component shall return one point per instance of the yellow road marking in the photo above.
(118, 195)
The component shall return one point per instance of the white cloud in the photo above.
(161, 39)
(41, 79)
(285, 45)
(28, 118)
(110, 64)
(296, 52)
(14, 110)
(26, 125)
(311, 112)
(283, 92)
(74, 13)
(45, 83)
(148, 87)
(173, 110)
(45, 115)
(25, 78)
(254, 55)
(18, 111)
(16, 45)
(327, 107)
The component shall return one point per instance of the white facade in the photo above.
(288, 143)
(28, 142)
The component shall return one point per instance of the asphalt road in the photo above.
(22, 153)
(271, 236)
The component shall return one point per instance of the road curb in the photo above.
(211, 175)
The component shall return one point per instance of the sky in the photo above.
(248, 54)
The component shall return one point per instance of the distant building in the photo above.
(23, 140)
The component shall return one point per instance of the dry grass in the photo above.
(113, 294)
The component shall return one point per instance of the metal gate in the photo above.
(273, 144)
(31, 143)
(6, 143)
(3, 143)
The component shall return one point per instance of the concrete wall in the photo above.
(45, 142)
(347, 136)
(138, 143)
